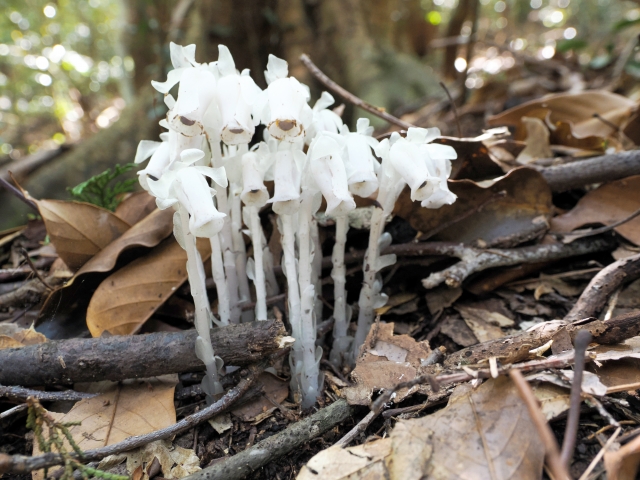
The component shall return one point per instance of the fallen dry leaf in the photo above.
(606, 205)
(148, 232)
(442, 297)
(175, 461)
(12, 336)
(537, 141)
(272, 387)
(135, 207)
(574, 109)
(483, 433)
(518, 202)
(79, 230)
(457, 330)
(385, 361)
(127, 298)
(134, 407)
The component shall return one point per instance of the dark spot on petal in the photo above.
(255, 190)
(155, 179)
(237, 131)
(287, 125)
(424, 184)
(186, 121)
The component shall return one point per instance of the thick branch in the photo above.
(474, 260)
(120, 357)
(602, 286)
(605, 168)
(243, 464)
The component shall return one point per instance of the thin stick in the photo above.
(453, 107)
(581, 342)
(11, 411)
(597, 231)
(22, 464)
(544, 431)
(350, 97)
(17, 193)
(359, 428)
(25, 254)
(21, 394)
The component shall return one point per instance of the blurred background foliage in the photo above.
(72, 70)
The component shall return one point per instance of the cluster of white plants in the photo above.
(309, 154)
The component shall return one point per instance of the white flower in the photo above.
(182, 59)
(283, 108)
(186, 184)
(324, 120)
(360, 163)
(289, 163)
(327, 173)
(196, 93)
(254, 167)
(236, 96)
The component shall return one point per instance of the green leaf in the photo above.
(97, 191)
(623, 24)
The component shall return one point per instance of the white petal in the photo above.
(146, 148)
(173, 77)
(226, 65)
(276, 68)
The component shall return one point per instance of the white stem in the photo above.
(311, 371)
(258, 279)
(217, 269)
(365, 302)
(338, 273)
(202, 321)
(289, 254)
(316, 271)
(226, 241)
(239, 249)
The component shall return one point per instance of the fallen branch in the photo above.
(295, 436)
(20, 394)
(116, 358)
(515, 348)
(350, 97)
(601, 287)
(474, 260)
(605, 168)
(19, 464)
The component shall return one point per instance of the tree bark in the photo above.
(65, 362)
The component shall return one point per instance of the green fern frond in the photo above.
(97, 191)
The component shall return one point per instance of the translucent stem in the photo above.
(217, 269)
(316, 272)
(291, 271)
(311, 372)
(365, 302)
(338, 273)
(239, 250)
(195, 271)
(258, 279)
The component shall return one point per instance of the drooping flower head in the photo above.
(236, 95)
(360, 163)
(414, 158)
(283, 108)
(323, 120)
(254, 167)
(289, 164)
(186, 184)
(327, 172)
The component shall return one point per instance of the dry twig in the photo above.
(350, 97)
(544, 431)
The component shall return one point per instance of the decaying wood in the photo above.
(515, 348)
(474, 260)
(605, 168)
(602, 286)
(116, 358)
(23, 464)
(300, 433)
